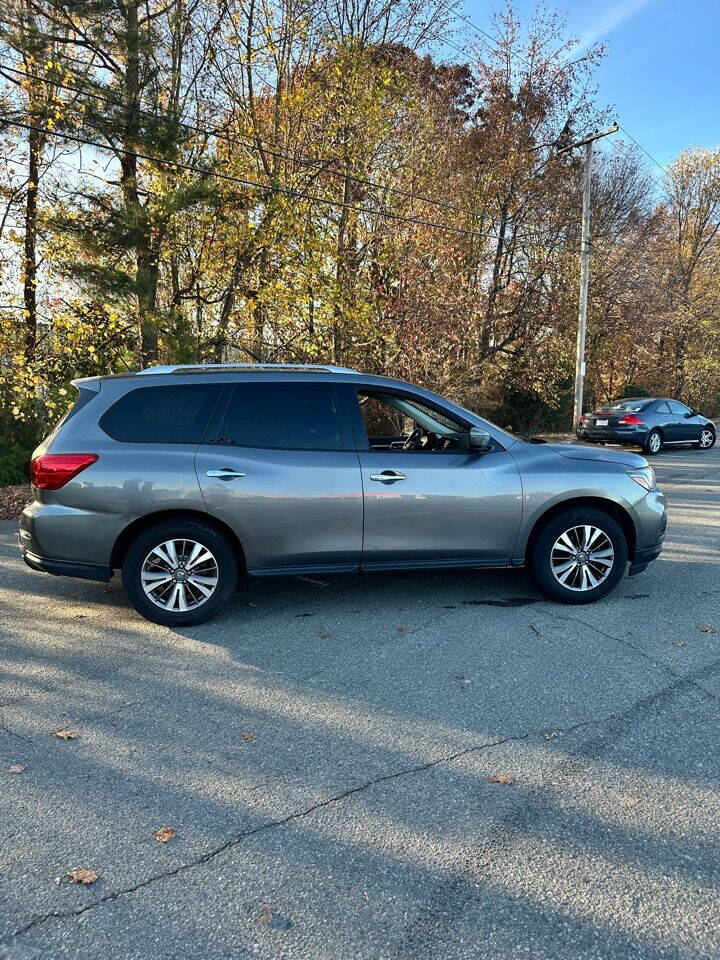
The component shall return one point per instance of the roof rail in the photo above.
(245, 368)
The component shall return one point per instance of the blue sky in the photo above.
(661, 72)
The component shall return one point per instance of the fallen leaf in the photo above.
(248, 737)
(550, 735)
(67, 734)
(16, 768)
(82, 876)
(164, 834)
(274, 921)
(402, 629)
(504, 778)
(324, 634)
(704, 629)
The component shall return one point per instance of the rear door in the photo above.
(428, 507)
(279, 466)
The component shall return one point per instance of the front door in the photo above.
(429, 499)
(277, 466)
(686, 427)
(664, 418)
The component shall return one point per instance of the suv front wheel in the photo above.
(179, 572)
(579, 556)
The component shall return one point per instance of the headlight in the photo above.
(645, 477)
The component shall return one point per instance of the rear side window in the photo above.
(166, 414)
(662, 408)
(285, 416)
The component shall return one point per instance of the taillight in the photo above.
(53, 470)
(583, 419)
(630, 420)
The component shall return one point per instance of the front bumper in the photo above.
(650, 516)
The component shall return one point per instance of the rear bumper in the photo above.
(32, 550)
(67, 568)
(630, 435)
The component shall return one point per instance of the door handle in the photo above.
(225, 473)
(387, 476)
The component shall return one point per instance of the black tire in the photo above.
(222, 567)
(706, 446)
(653, 440)
(541, 555)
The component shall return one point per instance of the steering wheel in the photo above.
(413, 441)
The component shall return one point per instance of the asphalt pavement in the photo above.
(328, 754)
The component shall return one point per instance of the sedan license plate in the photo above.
(601, 423)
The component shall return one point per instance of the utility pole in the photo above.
(586, 142)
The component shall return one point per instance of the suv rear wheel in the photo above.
(179, 572)
(579, 556)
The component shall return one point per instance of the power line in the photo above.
(266, 188)
(646, 152)
(182, 121)
(629, 156)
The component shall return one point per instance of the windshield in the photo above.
(629, 406)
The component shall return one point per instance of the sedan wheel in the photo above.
(707, 439)
(653, 444)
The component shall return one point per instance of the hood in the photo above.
(578, 451)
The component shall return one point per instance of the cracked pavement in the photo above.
(361, 814)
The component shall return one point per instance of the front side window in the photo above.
(285, 416)
(164, 414)
(396, 422)
(679, 409)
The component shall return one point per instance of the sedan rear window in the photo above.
(629, 406)
(164, 414)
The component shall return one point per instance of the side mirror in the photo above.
(480, 440)
(691, 413)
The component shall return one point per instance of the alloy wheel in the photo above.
(582, 558)
(179, 575)
(706, 439)
(655, 442)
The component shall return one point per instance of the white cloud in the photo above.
(610, 20)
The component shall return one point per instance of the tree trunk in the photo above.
(30, 254)
(146, 259)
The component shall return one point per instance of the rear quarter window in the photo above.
(162, 414)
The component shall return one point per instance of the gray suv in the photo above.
(184, 478)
